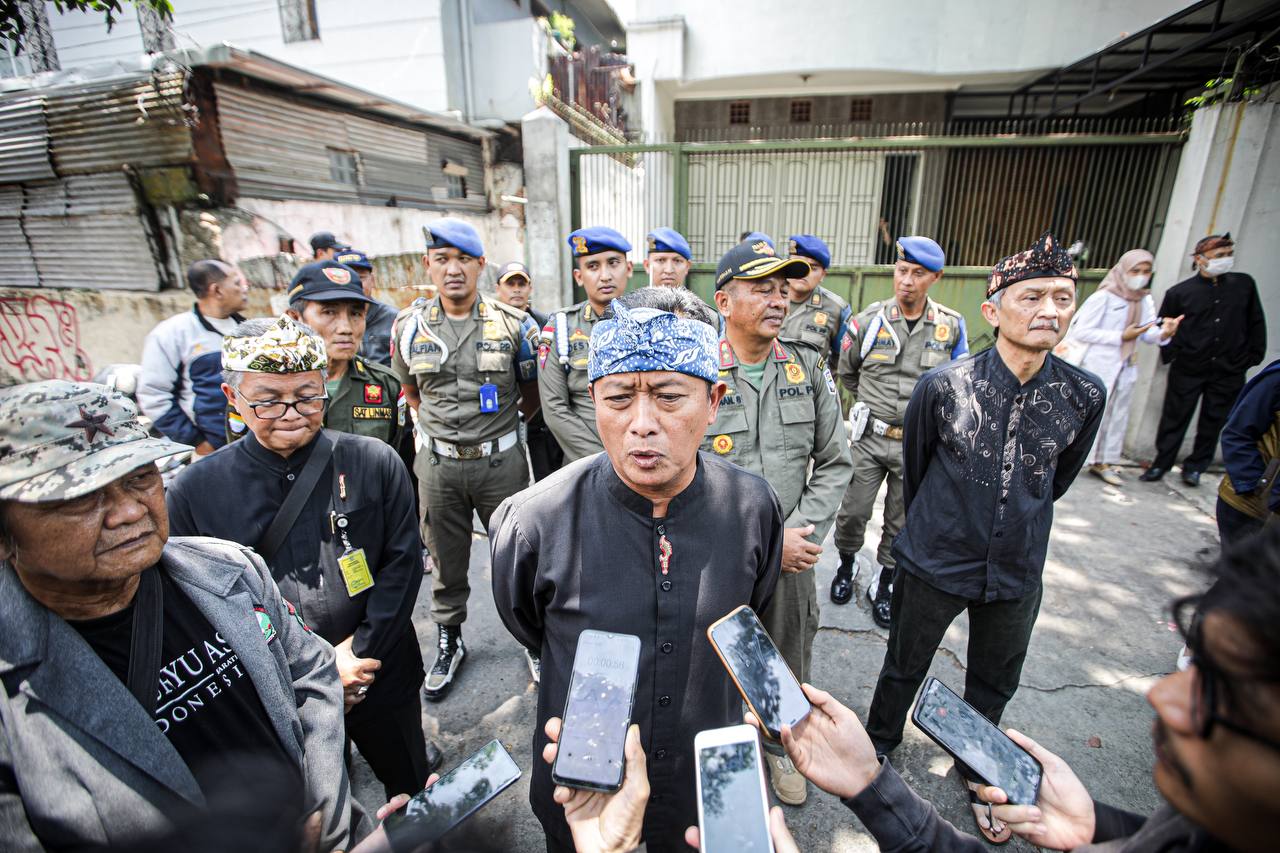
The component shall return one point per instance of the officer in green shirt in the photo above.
(885, 350)
(468, 367)
(780, 419)
(364, 397)
(815, 315)
(601, 268)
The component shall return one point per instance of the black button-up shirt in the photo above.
(581, 550)
(234, 494)
(1223, 330)
(984, 460)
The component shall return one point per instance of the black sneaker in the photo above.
(1191, 478)
(880, 601)
(448, 659)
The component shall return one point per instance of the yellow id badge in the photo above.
(355, 572)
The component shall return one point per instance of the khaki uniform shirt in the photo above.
(818, 322)
(883, 378)
(368, 402)
(776, 429)
(495, 346)
(562, 380)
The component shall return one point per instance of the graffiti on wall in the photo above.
(40, 339)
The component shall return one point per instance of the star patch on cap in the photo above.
(92, 425)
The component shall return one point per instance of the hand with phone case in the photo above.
(758, 670)
(602, 822)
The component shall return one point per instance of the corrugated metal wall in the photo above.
(69, 215)
(279, 149)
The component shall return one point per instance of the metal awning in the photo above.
(1169, 61)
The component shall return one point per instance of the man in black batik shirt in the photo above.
(650, 538)
(989, 444)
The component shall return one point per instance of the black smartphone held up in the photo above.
(755, 665)
(597, 712)
(733, 806)
(977, 743)
(454, 797)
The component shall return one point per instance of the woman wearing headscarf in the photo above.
(1103, 339)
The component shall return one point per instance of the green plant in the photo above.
(1219, 90)
(13, 22)
(562, 28)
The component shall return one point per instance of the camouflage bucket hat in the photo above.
(61, 440)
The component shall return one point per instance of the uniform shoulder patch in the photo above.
(835, 297)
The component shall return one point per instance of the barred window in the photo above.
(156, 35)
(37, 44)
(801, 112)
(860, 109)
(298, 20)
(739, 112)
(344, 166)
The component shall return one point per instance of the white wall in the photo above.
(392, 47)
(747, 48)
(507, 56)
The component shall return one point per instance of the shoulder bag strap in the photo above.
(292, 506)
(144, 645)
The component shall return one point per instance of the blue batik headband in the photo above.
(642, 340)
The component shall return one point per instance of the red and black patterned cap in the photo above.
(1046, 259)
(1213, 241)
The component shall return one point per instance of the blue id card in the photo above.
(488, 398)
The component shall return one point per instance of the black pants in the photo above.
(1234, 525)
(1215, 393)
(392, 741)
(999, 632)
(545, 455)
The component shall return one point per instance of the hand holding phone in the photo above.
(983, 751)
(757, 668)
(599, 820)
(597, 712)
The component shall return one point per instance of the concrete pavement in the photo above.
(1117, 556)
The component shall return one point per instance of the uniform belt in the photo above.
(475, 451)
(888, 430)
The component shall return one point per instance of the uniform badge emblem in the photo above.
(846, 342)
(816, 300)
(795, 373)
(579, 245)
(337, 275)
(579, 335)
(726, 355)
(373, 393)
(722, 444)
(820, 319)
(942, 332)
(264, 622)
(491, 331)
(653, 244)
(544, 350)
(762, 248)
(435, 314)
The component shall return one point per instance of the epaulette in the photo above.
(835, 297)
(945, 310)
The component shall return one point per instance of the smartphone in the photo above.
(597, 712)
(733, 807)
(454, 797)
(757, 668)
(977, 743)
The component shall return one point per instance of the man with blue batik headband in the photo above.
(650, 538)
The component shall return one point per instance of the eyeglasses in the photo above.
(1204, 707)
(271, 410)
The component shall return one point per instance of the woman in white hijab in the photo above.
(1103, 339)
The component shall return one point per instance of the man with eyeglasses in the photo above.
(345, 549)
(1216, 744)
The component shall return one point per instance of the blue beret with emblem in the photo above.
(669, 240)
(922, 251)
(756, 236)
(643, 340)
(355, 259)
(453, 234)
(596, 239)
(809, 246)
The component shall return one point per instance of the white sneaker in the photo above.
(535, 666)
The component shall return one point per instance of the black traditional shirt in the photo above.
(1223, 328)
(234, 494)
(984, 460)
(581, 550)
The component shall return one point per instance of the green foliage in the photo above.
(561, 25)
(1217, 91)
(13, 23)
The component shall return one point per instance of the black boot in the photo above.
(880, 604)
(1152, 474)
(842, 584)
(449, 654)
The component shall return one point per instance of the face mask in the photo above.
(1136, 282)
(1218, 266)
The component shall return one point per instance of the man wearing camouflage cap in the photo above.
(138, 671)
(332, 513)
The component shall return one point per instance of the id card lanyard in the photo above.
(352, 561)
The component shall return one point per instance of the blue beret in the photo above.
(642, 340)
(922, 251)
(669, 240)
(453, 233)
(756, 236)
(355, 259)
(591, 241)
(809, 246)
